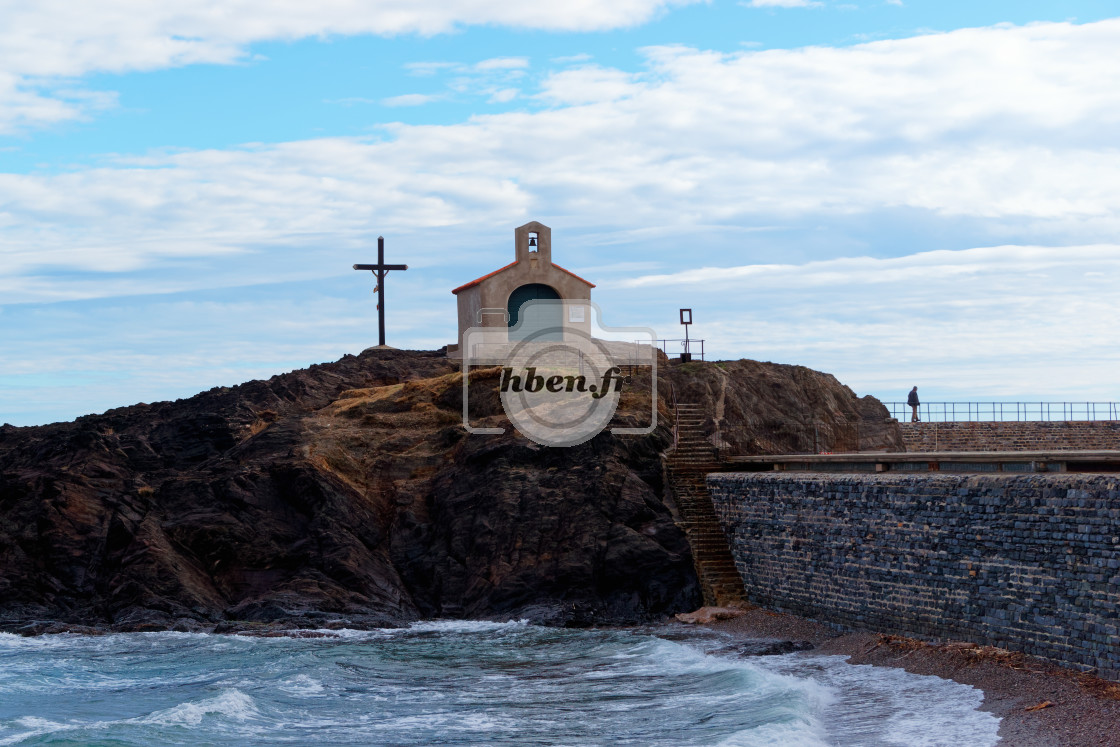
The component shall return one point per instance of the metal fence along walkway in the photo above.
(945, 412)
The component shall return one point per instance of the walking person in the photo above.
(912, 400)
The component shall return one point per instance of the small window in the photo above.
(532, 241)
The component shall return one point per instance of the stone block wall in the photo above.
(1011, 436)
(1030, 563)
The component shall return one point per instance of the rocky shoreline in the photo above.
(1039, 705)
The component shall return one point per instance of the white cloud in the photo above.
(490, 78)
(569, 59)
(31, 103)
(942, 266)
(589, 84)
(502, 63)
(1010, 126)
(59, 38)
(974, 324)
(429, 68)
(504, 95)
(48, 40)
(410, 99)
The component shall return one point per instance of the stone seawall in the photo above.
(1011, 436)
(1030, 563)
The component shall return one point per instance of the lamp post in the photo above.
(686, 320)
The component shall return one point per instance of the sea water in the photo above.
(464, 683)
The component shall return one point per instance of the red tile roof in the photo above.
(476, 281)
(577, 277)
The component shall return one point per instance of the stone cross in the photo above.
(380, 270)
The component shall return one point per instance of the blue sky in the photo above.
(897, 193)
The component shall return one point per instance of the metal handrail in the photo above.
(946, 412)
(676, 416)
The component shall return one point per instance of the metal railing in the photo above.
(945, 412)
(686, 346)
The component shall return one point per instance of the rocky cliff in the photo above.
(771, 408)
(349, 493)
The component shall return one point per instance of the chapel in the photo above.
(496, 299)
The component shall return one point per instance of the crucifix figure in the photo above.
(380, 270)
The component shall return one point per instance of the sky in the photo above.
(896, 192)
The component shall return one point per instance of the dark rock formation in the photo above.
(771, 408)
(765, 648)
(349, 493)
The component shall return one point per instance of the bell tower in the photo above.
(533, 244)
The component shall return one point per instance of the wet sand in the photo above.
(1084, 710)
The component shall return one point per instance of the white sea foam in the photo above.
(229, 704)
(892, 706)
(33, 727)
(681, 659)
(465, 626)
(303, 686)
(421, 626)
(348, 635)
(803, 734)
(60, 640)
(167, 635)
(956, 720)
(457, 721)
(356, 634)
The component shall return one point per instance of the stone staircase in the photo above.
(688, 466)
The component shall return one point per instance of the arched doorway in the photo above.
(536, 317)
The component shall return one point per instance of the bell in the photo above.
(532, 241)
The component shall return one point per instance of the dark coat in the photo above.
(912, 400)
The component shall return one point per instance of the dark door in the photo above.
(538, 316)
